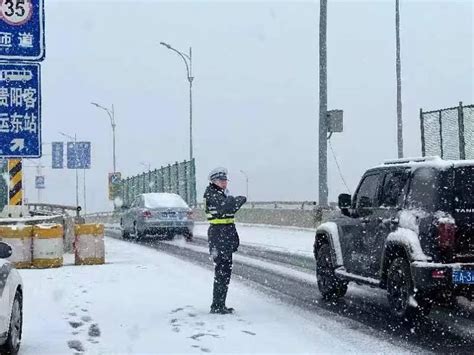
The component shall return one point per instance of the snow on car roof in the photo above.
(166, 200)
(434, 162)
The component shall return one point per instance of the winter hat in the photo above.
(218, 174)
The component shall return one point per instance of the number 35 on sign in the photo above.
(16, 12)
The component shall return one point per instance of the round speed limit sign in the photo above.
(16, 12)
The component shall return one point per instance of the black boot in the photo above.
(221, 310)
(229, 309)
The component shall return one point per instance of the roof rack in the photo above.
(411, 160)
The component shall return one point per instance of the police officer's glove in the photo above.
(213, 253)
(240, 201)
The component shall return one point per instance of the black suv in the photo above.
(408, 229)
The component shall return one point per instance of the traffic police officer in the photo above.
(222, 235)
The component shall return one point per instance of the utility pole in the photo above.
(323, 106)
(399, 82)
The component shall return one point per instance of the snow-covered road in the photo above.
(144, 301)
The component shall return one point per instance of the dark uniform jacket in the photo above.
(220, 212)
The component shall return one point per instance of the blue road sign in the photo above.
(22, 30)
(39, 182)
(79, 155)
(20, 110)
(58, 155)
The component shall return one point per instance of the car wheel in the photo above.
(170, 235)
(330, 286)
(125, 234)
(188, 236)
(137, 234)
(12, 345)
(403, 301)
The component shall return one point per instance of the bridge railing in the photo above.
(304, 214)
(51, 209)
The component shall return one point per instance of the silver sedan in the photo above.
(157, 214)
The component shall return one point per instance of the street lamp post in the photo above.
(188, 61)
(146, 165)
(247, 182)
(111, 114)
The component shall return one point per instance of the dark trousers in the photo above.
(222, 274)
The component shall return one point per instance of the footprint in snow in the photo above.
(192, 315)
(205, 350)
(94, 331)
(76, 325)
(248, 332)
(75, 345)
(177, 310)
(200, 335)
(86, 319)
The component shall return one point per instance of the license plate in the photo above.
(463, 277)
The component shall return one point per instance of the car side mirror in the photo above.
(344, 201)
(5, 250)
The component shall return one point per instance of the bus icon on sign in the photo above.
(16, 75)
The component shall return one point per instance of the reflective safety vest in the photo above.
(216, 219)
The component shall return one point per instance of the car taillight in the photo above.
(446, 236)
(438, 274)
(190, 215)
(146, 214)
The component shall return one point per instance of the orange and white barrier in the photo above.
(47, 246)
(89, 248)
(20, 240)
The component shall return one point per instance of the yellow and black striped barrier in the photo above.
(15, 171)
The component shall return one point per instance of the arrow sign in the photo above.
(17, 144)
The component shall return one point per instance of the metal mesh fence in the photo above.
(468, 113)
(178, 178)
(448, 133)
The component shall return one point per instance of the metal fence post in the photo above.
(422, 129)
(177, 179)
(462, 138)
(169, 178)
(441, 133)
(186, 182)
(193, 182)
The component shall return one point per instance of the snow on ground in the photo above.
(285, 239)
(143, 301)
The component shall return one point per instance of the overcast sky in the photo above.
(255, 89)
